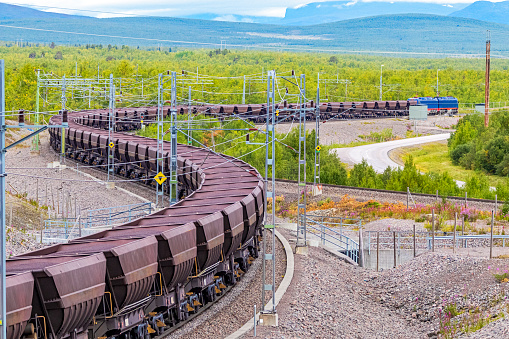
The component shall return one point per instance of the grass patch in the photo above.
(435, 157)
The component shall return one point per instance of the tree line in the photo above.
(402, 77)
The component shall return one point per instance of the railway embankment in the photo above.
(36, 192)
(427, 297)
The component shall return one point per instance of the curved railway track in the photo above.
(399, 193)
(328, 110)
(143, 277)
(256, 113)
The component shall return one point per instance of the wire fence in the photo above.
(64, 229)
(386, 249)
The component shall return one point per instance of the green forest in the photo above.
(481, 148)
(217, 76)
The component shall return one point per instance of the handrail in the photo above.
(44, 321)
(335, 238)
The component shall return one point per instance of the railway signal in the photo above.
(111, 144)
(318, 148)
(160, 178)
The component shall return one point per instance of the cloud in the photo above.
(351, 3)
(233, 18)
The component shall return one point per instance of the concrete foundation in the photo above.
(303, 250)
(313, 242)
(110, 185)
(268, 319)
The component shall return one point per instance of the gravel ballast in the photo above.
(237, 307)
(289, 190)
(329, 299)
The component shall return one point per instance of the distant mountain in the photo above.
(486, 11)
(19, 12)
(305, 15)
(330, 11)
(410, 34)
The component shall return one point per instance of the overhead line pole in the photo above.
(110, 127)
(3, 292)
(62, 131)
(487, 85)
(301, 186)
(189, 135)
(437, 83)
(160, 136)
(173, 158)
(244, 91)
(269, 221)
(316, 177)
(35, 144)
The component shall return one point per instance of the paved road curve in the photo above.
(377, 155)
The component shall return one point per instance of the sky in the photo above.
(271, 8)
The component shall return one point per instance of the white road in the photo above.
(377, 155)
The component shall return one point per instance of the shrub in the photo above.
(505, 208)
(501, 277)
(459, 152)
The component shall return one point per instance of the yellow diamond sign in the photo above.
(318, 148)
(160, 178)
(277, 113)
(111, 144)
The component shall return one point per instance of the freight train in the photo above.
(289, 111)
(328, 110)
(140, 278)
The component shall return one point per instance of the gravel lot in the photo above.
(347, 131)
(418, 290)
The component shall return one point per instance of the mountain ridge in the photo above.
(486, 11)
(410, 34)
(8, 12)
